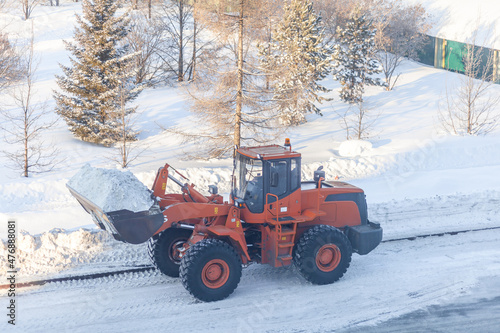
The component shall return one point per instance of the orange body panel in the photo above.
(192, 211)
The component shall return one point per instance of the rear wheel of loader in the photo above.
(163, 250)
(210, 270)
(323, 254)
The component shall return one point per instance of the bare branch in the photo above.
(26, 122)
(470, 106)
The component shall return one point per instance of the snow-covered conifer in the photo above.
(100, 64)
(297, 59)
(353, 58)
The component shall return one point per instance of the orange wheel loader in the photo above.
(272, 218)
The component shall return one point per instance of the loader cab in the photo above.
(259, 171)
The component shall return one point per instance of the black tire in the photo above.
(322, 254)
(161, 250)
(210, 270)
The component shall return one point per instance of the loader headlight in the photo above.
(239, 203)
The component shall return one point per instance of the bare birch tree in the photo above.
(334, 14)
(144, 39)
(27, 7)
(181, 47)
(400, 34)
(25, 123)
(470, 107)
(126, 146)
(178, 15)
(358, 121)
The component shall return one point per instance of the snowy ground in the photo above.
(397, 278)
(418, 180)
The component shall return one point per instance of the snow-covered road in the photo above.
(397, 278)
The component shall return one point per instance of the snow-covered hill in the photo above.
(409, 155)
(417, 179)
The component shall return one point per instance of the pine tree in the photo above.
(297, 59)
(95, 79)
(353, 58)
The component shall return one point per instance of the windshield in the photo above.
(249, 183)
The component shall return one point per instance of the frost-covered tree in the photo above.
(10, 62)
(297, 59)
(353, 58)
(95, 78)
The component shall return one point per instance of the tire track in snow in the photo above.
(150, 268)
(397, 278)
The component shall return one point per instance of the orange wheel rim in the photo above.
(215, 273)
(328, 257)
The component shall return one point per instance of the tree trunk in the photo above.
(239, 92)
(180, 62)
(26, 10)
(26, 137)
(269, 40)
(193, 60)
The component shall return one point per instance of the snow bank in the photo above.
(351, 148)
(112, 189)
(61, 252)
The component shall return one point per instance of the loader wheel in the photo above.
(163, 250)
(210, 270)
(323, 254)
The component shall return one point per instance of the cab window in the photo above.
(278, 177)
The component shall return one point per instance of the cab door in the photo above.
(279, 187)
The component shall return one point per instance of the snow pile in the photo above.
(51, 253)
(54, 251)
(351, 148)
(112, 189)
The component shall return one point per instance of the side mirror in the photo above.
(212, 189)
(319, 174)
(274, 178)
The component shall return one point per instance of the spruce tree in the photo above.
(298, 59)
(353, 58)
(100, 68)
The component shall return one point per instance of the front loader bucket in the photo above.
(124, 225)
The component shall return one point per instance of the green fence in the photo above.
(449, 54)
(426, 54)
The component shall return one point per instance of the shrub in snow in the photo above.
(112, 189)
